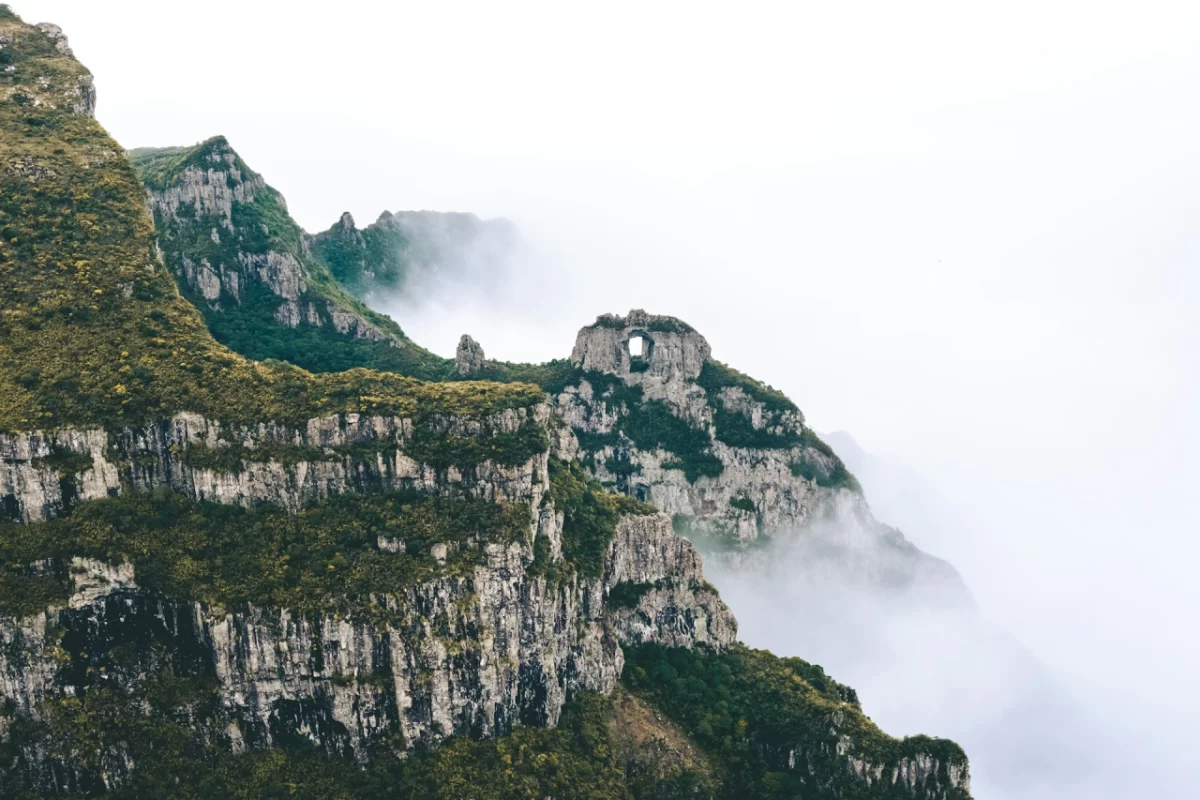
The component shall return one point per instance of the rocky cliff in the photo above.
(244, 262)
(221, 576)
(729, 458)
(478, 652)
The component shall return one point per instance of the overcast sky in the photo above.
(966, 233)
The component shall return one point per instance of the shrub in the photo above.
(627, 594)
(743, 504)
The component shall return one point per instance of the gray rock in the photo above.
(759, 493)
(468, 357)
(672, 349)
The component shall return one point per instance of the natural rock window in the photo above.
(639, 353)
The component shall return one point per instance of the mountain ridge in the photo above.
(224, 576)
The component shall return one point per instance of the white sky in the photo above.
(967, 233)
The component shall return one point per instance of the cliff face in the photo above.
(244, 262)
(203, 556)
(489, 642)
(478, 653)
(45, 473)
(474, 652)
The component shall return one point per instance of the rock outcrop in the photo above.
(219, 232)
(56, 81)
(469, 356)
(673, 350)
(43, 474)
(749, 471)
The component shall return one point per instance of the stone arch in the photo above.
(639, 350)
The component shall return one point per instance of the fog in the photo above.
(966, 235)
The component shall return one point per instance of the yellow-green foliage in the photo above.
(752, 712)
(323, 558)
(92, 328)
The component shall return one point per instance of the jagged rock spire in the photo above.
(469, 356)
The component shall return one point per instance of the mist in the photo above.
(966, 236)
(1047, 426)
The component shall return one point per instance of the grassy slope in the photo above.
(93, 330)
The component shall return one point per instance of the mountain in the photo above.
(403, 251)
(226, 577)
(242, 260)
(729, 458)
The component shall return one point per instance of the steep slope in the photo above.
(400, 252)
(221, 577)
(242, 260)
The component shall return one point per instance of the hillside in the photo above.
(403, 251)
(233, 578)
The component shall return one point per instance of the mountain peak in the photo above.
(38, 70)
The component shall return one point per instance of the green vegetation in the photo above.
(716, 535)
(715, 376)
(652, 425)
(627, 594)
(622, 467)
(64, 462)
(435, 443)
(590, 517)
(93, 332)
(553, 376)
(384, 256)
(657, 326)
(743, 504)
(750, 711)
(246, 320)
(649, 425)
(177, 758)
(323, 558)
(837, 478)
(350, 253)
(736, 430)
(745, 711)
